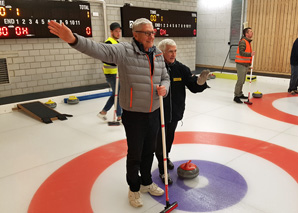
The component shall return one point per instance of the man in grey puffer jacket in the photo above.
(143, 78)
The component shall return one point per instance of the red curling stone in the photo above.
(188, 170)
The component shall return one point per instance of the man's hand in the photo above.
(161, 90)
(203, 77)
(253, 53)
(61, 31)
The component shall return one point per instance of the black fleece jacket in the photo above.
(294, 53)
(174, 102)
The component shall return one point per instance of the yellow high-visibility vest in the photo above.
(109, 69)
(242, 59)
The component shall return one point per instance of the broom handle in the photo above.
(251, 68)
(163, 135)
(252, 62)
(116, 95)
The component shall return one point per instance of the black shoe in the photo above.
(292, 92)
(170, 164)
(243, 97)
(170, 181)
(237, 100)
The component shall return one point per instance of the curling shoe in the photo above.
(102, 116)
(243, 97)
(135, 199)
(153, 189)
(170, 164)
(162, 177)
(237, 100)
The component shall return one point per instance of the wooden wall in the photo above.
(275, 27)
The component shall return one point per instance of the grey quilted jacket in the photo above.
(137, 85)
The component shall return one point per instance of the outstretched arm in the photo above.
(195, 84)
(203, 77)
(103, 52)
(62, 32)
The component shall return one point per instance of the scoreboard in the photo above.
(29, 18)
(167, 23)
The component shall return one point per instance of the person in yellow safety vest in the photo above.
(110, 70)
(243, 61)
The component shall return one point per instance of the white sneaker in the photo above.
(135, 199)
(103, 117)
(153, 189)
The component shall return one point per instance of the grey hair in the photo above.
(139, 22)
(163, 44)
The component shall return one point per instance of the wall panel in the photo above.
(274, 23)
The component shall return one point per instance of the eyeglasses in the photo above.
(147, 33)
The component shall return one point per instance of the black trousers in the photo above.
(141, 132)
(170, 129)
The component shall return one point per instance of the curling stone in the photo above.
(257, 94)
(212, 76)
(51, 104)
(188, 170)
(73, 100)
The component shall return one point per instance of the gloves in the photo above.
(203, 77)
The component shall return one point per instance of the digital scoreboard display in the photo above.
(166, 23)
(29, 18)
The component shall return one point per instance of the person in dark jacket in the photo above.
(294, 69)
(174, 103)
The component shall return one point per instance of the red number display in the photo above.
(88, 30)
(3, 31)
(21, 31)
